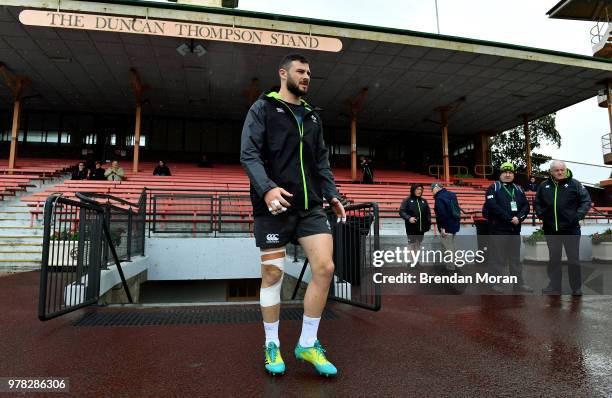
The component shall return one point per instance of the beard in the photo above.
(294, 88)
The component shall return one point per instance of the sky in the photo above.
(521, 22)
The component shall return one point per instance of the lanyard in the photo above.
(509, 194)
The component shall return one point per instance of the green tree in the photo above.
(510, 145)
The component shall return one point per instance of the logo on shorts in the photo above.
(272, 238)
(280, 110)
(328, 226)
(314, 118)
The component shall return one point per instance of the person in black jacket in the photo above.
(80, 173)
(532, 185)
(561, 202)
(97, 173)
(161, 169)
(204, 162)
(507, 207)
(368, 175)
(285, 158)
(417, 216)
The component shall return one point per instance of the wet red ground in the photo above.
(415, 346)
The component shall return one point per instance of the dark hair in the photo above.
(98, 162)
(81, 163)
(286, 62)
(413, 189)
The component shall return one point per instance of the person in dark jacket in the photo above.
(285, 158)
(80, 173)
(532, 185)
(507, 207)
(161, 169)
(561, 202)
(448, 217)
(97, 173)
(368, 175)
(204, 162)
(416, 214)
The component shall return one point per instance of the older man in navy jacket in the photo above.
(448, 216)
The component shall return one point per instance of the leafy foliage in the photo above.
(509, 146)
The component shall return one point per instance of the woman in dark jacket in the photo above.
(161, 169)
(417, 215)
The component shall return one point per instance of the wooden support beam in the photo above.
(609, 97)
(139, 88)
(16, 85)
(14, 134)
(355, 107)
(354, 147)
(252, 92)
(446, 112)
(445, 158)
(525, 117)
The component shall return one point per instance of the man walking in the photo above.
(448, 217)
(507, 207)
(285, 157)
(561, 202)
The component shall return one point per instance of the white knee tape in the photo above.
(276, 262)
(269, 296)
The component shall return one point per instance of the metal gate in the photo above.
(76, 239)
(354, 244)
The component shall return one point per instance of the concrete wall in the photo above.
(193, 258)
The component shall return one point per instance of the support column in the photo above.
(355, 106)
(527, 144)
(138, 87)
(484, 148)
(16, 84)
(137, 137)
(354, 147)
(608, 96)
(445, 158)
(14, 134)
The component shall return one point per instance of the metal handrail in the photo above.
(606, 143)
(484, 168)
(440, 167)
(89, 198)
(598, 32)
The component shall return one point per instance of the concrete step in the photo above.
(23, 245)
(19, 266)
(14, 213)
(21, 255)
(21, 230)
(11, 239)
(5, 251)
(19, 222)
(13, 261)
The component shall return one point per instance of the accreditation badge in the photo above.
(513, 206)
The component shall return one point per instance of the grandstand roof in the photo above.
(581, 10)
(408, 73)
